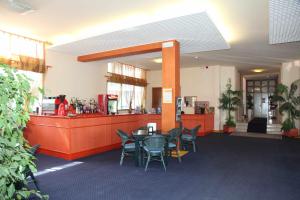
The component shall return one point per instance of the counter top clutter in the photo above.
(83, 135)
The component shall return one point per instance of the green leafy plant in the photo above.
(289, 102)
(249, 102)
(229, 101)
(15, 101)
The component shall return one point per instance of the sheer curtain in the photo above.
(127, 96)
(140, 73)
(128, 89)
(139, 96)
(115, 68)
(128, 70)
(22, 53)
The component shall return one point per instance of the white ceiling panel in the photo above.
(196, 33)
(284, 21)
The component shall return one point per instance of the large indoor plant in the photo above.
(229, 101)
(289, 100)
(15, 101)
(250, 105)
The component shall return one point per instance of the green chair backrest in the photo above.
(174, 134)
(34, 149)
(124, 136)
(194, 131)
(155, 141)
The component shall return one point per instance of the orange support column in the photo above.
(170, 83)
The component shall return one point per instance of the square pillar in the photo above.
(170, 82)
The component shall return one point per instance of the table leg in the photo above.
(137, 153)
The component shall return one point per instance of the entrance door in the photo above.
(257, 105)
(261, 104)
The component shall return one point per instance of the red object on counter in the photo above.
(62, 110)
(58, 101)
(104, 101)
(72, 110)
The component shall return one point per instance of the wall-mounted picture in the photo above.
(189, 101)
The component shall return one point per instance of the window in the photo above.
(128, 90)
(126, 70)
(36, 82)
(22, 53)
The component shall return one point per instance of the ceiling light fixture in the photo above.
(258, 70)
(157, 60)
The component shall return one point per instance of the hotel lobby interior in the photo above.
(150, 99)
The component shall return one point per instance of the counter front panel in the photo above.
(75, 137)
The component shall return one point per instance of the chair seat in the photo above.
(187, 137)
(171, 145)
(153, 150)
(129, 146)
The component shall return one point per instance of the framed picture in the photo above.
(189, 101)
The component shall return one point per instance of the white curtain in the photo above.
(127, 93)
(139, 96)
(13, 46)
(127, 96)
(128, 70)
(115, 68)
(140, 73)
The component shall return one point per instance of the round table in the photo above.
(139, 137)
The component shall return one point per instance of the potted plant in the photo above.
(249, 106)
(288, 107)
(15, 101)
(229, 101)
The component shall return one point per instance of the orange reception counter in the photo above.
(83, 135)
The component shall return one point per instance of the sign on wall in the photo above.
(167, 95)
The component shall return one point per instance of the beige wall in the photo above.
(86, 80)
(205, 83)
(75, 79)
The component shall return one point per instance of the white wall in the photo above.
(72, 78)
(206, 84)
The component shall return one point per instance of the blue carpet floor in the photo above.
(224, 168)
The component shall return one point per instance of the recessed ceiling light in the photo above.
(157, 60)
(258, 70)
(196, 57)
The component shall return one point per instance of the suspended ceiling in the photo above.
(245, 25)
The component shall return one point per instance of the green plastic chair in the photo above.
(128, 145)
(190, 136)
(173, 137)
(27, 172)
(155, 148)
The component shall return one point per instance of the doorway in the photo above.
(261, 91)
(156, 97)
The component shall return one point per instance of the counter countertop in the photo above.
(96, 115)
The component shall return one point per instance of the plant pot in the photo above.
(291, 133)
(228, 129)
